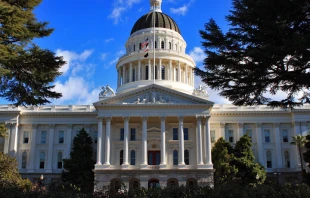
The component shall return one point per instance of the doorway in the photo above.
(153, 157)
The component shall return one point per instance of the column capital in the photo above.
(276, 124)
(222, 125)
(304, 123)
(69, 126)
(51, 126)
(240, 125)
(296, 122)
(258, 124)
(181, 118)
(108, 119)
(34, 126)
(199, 118)
(144, 118)
(100, 118)
(162, 118)
(126, 118)
(8, 124)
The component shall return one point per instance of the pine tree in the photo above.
(26, 70)
(78, 169)
(265, 50)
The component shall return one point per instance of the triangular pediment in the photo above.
(151, 95)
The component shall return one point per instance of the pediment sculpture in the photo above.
(201, 91)
(107, 91)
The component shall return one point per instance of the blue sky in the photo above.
(91, 35)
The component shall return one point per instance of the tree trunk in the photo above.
(300, 156)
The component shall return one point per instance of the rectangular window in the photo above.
(26, 137)
(249, 132)
(230, 136)
(163, 73)
(175, 134)
(267, 135)
(133, 134)
(212, 134)
(121, 134)
(146, 72)
(284, 135)
(42, 160)
(185, 131)
(43, 137)
(61, 137)
(95, 137)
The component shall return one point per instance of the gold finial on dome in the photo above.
(156, 5)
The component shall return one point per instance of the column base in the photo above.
(125, 166)
(204, 166)
(162, 166)
(181, 166)
(144, 166)
(98, 163)
(105, 166)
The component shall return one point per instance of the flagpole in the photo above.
(154, 40)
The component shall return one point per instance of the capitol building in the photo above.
(157, 128)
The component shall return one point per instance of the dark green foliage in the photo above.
(3, 132)
(265, 50)
(236, 164)
(9, 175)
(78, 169)
(299, 141)
(306, 154)
(26, 70)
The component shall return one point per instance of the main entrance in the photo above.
(153, 157)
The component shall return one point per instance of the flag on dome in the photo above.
(146, 45)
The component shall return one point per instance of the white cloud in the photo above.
(120, 6)
(76, 89)
(103, 56)
(197, 54)
(183, 9)
(72, 59)
(108, 40)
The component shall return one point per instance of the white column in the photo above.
(186, 75)
(107, 139)
(130, 72)
(193, 77)
(139, 70)
(208, 141)
(222, 125)
(163, 141)
(170, 70)
(278, 138)
(13, 139)
(303, 127)
(68, 141)
(181, 142)
(160, 65)
(118, 78)
(50, 147)
(150, 70)
(7, 138)
(259, 143)
(32, 148)
(240, 131)
(199, 143)
(179, 72)
(124, 74)
(144, 142)
(296, 131)
(99, 141)
(126, 129)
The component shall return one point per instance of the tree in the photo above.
(306, 154)
(3, 129)
(249, 171)
(221, 158)
(9, 176)
(299, 141)
(26, 70)
(265, 50)
(78, 169)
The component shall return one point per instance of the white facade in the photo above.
(151, 132)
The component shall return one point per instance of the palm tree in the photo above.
(299, 141)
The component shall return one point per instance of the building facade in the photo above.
(157, 129)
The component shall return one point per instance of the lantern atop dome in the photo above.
(156, 5)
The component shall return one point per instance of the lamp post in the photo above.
(277, 174)
(41, 181)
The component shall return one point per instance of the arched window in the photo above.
(269, 159)
(191, 183)
(24, 159)
(162, 45)
(42, 160)
(146, 72)
(115, 185)
(132, 157)
(121, 155)
(153, 183)
(163, 73)
(175, 157)
(172, 182)
(134, 184)
(155, 44)
(186, 157)
(170, 46)
(140, 46)
(59, 160)
(287, 159)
